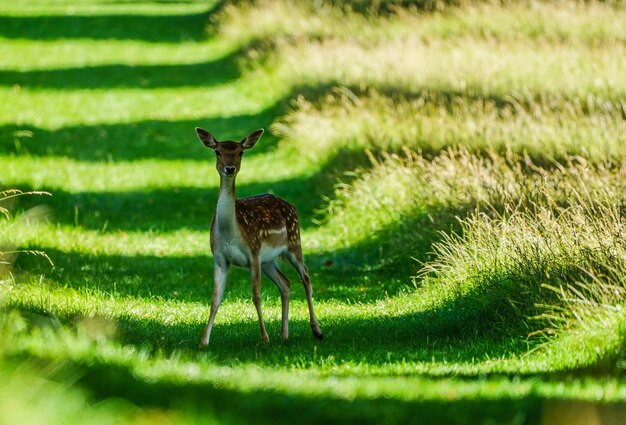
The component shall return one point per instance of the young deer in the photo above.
(252, 232)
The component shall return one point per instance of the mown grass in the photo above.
(459, 174)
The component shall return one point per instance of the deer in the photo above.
(253, 233)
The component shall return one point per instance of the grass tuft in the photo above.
(555, 264)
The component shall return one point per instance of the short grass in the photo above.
(459, 172)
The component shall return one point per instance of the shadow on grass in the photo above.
(380, 7)
(475, 326)
(388, 256)
(170, 209)
(398, 248)
(171, 139)
(151, 28)
(189, 278)
(200, 74)
(152, 139)
(385, 7)
(463, 332)
(274, 406)
(162, 139)
(218, 71)
(435, 338)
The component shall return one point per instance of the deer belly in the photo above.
(235, 254)
(269, 253)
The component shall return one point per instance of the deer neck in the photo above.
(225, 216)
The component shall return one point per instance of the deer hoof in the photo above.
(317, 332)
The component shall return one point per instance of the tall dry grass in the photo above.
(544, 128)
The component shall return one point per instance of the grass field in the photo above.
(460, 173)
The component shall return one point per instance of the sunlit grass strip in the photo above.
(72, 175)
(44, 296)
(79, 240)
(265, 20)
(69, 238)
(239, 24)
(59, 108)
(40, 55)
(490, 68)
(592, 22)
(544, 127)
(38, 8)
(84, 176)
(560, 21)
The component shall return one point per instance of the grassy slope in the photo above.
(101, 111)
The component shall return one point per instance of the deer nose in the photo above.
(229, 169)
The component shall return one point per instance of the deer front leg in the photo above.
(219, 283)
(255, 272)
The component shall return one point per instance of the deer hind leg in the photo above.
(255, 272)
(219, 283)
(272, 271)
(295, 258)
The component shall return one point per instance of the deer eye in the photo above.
(240, 154)
(217, 153)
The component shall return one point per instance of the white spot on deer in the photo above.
(275, 231)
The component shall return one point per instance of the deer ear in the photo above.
(206, 138)
(249, 141)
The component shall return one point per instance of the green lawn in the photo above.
(460, 173)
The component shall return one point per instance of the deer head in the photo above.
(228, 153)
